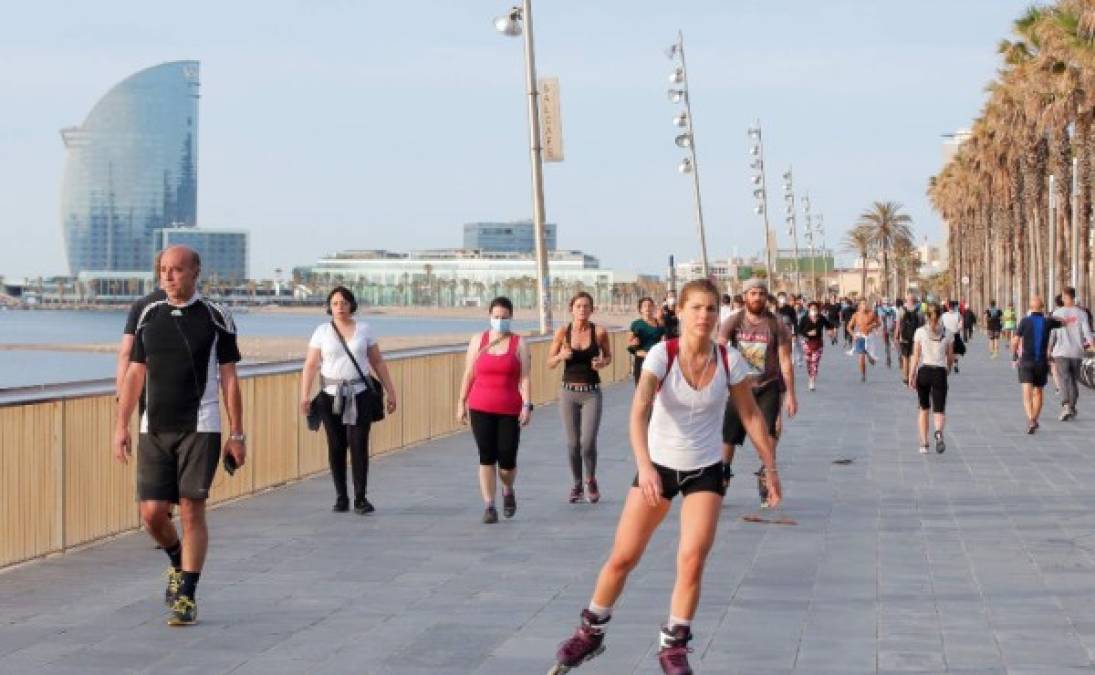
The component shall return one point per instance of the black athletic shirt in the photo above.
(993, 318)
(182, 347)
(1034, 332)
(137, 307)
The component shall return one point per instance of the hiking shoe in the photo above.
(174, 581)
(586, 643)
(362, 506)
(940, 446)
(592, 490)
(923, 449)
(342, 504)
(490, 515)
(509, 504)
(184, 612)
(576, 494)
(673, 655)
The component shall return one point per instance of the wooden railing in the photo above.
(60, 487)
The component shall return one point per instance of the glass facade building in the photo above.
(516, 237)
(131, 169)
(223, 252)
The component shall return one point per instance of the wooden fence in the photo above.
(60, 486)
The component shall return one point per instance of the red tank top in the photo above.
(496, 378)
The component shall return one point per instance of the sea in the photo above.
(24, 368)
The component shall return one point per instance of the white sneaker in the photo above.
(1065, 414)
(812, 384)
(923, 449)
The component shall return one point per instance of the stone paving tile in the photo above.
(978, 561)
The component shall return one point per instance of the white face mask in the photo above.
(499, 325)
(671, 302)
(813, 313)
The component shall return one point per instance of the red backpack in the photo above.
(673, 347)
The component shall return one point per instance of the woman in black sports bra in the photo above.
(583, 348)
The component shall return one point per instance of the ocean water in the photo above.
(21, 368)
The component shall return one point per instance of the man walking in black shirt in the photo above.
(183, 347)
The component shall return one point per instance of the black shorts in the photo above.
(174, 464)
(994, 333)
(707, 479)
(497, 437)
(1034, 372)
(931, 388)
(906, 349)
(768, 400)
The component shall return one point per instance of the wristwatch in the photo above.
(239, 438)
(528, 406)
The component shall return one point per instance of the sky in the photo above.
(336, 124)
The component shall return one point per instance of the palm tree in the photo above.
(886, 226)
(860, 240)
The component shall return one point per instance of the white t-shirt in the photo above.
(336, 365)
(952, 321)
(685, 430)
(933, 349)
(725, 312)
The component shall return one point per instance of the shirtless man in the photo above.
(860, 326)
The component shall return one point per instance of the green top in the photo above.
(1009, 319)
(648, 335)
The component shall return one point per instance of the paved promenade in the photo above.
(981, 560)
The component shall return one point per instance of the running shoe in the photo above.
(576, 494)
(924, 449)
(1065, 414)
(940, 446)
(509, 504)
(673, 655)
(593, 491)
(812, 387)
(1032, 427)
(586, 643)
(490, 515)
(342, 504)
(174, 581)
(183, 613)
(362, 506)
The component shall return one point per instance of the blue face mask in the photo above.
(499, 325)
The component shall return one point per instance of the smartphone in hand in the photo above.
(230, 463)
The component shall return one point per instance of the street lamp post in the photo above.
(687, 140)
(810, 239)
(760, 192)
(792, 224)
(510, 24)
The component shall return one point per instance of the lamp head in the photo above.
(683, 141)
(676, 95)
(685, 166)
(677, 76)
(681, 120)
(509, 24)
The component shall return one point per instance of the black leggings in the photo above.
(931, 388)
(497, 437)
(341, 437)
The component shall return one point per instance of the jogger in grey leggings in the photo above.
(584, 349)
(581, 413)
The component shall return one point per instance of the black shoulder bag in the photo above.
(374, 390)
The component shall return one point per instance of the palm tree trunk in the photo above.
(1062, 170)
(1083, 148)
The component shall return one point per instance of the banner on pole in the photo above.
(551, 120)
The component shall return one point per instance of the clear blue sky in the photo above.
(361, 124)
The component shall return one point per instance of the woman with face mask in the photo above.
(496, 398)
(812, 328)
(584, 349)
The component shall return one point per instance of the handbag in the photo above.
(313, 418)
(374, 391)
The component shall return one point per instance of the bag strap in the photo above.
(487, 347)
(350, 354)
(673, 348)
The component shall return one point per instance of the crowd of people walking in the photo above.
(709, 369)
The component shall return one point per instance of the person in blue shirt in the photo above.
(1029, 353)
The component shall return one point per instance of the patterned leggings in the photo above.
(813, 357)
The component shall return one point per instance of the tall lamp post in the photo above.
(810, 239)
(510, 24)
(760, 192)
(687, 140)
(792, 225)
(819, 231)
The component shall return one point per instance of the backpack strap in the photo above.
(673, 348)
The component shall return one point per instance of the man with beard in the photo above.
(765, 342)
